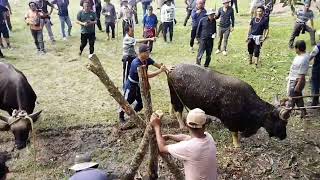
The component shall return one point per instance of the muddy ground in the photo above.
(261, 157)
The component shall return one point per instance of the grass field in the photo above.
(72, 96)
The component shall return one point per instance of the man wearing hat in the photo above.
(197, 150)
(85, 169)
(132, 89)
(303, 16)
(226, 25)
(206, 33)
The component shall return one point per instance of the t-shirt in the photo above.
(110, 13)
(62, 7)
(258, 26)
(3, 11)
(133, 73)
(150, 21)
(199, 157)
(226, 17)
(299, 66)
(196, 17)
(128, 46)
(303, 17)
(92, 174)
(168, 13)
(86, 17)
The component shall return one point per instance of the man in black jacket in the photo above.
(206, 33)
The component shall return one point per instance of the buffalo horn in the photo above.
(34, 116)
(284, 114)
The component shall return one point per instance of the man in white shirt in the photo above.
(198, 151)
(298, 71)
(167, 18)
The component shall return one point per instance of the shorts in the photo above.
(4, 32)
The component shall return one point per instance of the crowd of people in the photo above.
(198, 151)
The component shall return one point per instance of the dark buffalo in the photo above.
(18, 99)
(231, 100)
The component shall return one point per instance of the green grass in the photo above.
(70, 95)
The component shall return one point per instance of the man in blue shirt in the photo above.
(63, 16)
(150, 22)
(196, 14)
(132, 89)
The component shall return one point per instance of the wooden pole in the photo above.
(146, 98)
(96, 67)
(172, 167)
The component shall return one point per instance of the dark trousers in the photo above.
(126, 60)
(296, 101)
(193, 35)
(298, 27)
(315, 85)
(8, 20)
(187, 17)
(205, 45)
(125, 23)
(38, 39)
(85, 37)
(253, 48)
(110, 25)
(98, 14)
(223, 34)
(235, 3)
(131, 94)
(167, 26)
(160, 29)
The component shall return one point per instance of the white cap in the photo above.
(196, 118)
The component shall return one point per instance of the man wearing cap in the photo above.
(206, 33)
(303, 16)
(197, 150)
(196, 14)
(132, 89)
(226, 25)
(86, 169)
(149, 23)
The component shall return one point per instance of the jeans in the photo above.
(65, 20)
(38, 39)
(296, 32)
(91, 37)
(167, 26)
(187, 17)
(193, 35)
(315, 84)
(223, 34)
(206, 45)
(47, 24)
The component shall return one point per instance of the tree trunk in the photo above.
(96, 67)
(146, 98)
(172, 167)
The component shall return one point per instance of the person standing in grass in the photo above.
(168, 16)
(303, 16)
(96, 7)
(191, 4)
(129, 53)
(4, 32)
(132, 89)
(63, 16)
(258, 31)
(87, 19)
(226, 25)
(196, 14)
(42, 5)
(315, 75)
(34, 19)
(150, 22)
(206, 32)
(235, 3)
(297, 76)
(109, 12)
(126, 13)
(197, 150)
